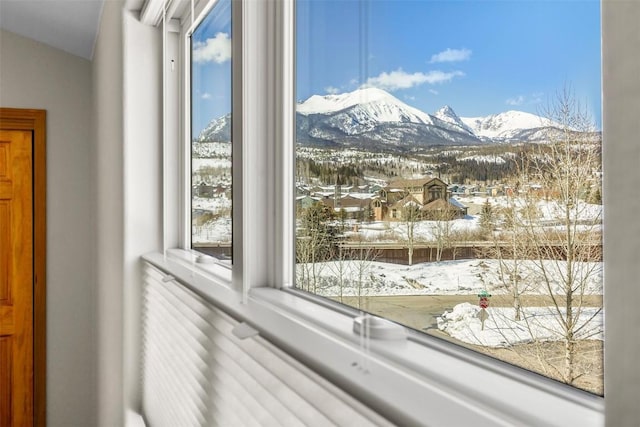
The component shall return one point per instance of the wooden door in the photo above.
(19, 272)
(16, 278)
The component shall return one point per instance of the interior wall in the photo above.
(34, 75)
(109, 185)
(621, 127)
(142, 165)
(127, 84)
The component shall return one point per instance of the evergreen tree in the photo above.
(487, 218)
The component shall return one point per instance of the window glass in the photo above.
(448, 172)
(211, 150)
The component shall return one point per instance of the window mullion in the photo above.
(283, 164)
(253, 176)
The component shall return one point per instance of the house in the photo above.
(430, 196)
(305, 202)
(208, 191)
(103, 93)
(348, 207)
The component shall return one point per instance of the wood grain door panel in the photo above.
(16, 277)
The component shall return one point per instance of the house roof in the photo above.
(406, 183)
(406, 201)
(457, 203)
(347, 202)
(441, 204)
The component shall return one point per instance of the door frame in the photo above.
(35, 121)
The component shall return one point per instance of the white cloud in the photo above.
(399, 79)
(409, 98)
(331, 90)
(433, 91)
(519, 100)
(216, 49)
(534, 98)
(206, 96)
(451, 55)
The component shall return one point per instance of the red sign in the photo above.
(484, 302)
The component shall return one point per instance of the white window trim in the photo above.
(264, 255)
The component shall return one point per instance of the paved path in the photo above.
(420, 311)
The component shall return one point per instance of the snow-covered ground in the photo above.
(501, 330)
(211, 149)
(548, 210)
(499, 160)
(214, 204)
(423, 231)
(216, 231)
(462, 277)
(221, 163)
(466, 277)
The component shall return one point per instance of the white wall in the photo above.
(143, 178)
(34, 75)
(621, 110)
(127, 84)
(108, 170)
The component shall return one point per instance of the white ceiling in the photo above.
(69, 25)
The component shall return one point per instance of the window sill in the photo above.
(416, 381)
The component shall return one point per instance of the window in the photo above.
(211, 136)
(397, 95)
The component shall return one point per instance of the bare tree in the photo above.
(512, 249)
(366, 255)
(442, 229)
(340, 268)
(410, 216)
(565, 246)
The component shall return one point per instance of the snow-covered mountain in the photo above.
(374, 118)
(218, 130)
(509, 126)
(371, 105)
(447, 114)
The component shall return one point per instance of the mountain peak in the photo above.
(507, 125)
(447, 115)
(446, 111)
(363, 109)
(325, 104)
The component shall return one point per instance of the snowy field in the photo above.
(462, 277)
(423, 231)
(501, 330)
(465, 277)
(216, 231)
(549, 211)
(221, 163)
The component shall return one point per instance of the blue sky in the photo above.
(211, 67)
(480, 57)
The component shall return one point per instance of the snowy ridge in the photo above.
(374, 119)
(369, 104)
(506, 125)
(446, 114)
(218, 130)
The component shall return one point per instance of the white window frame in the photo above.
(264, 246)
